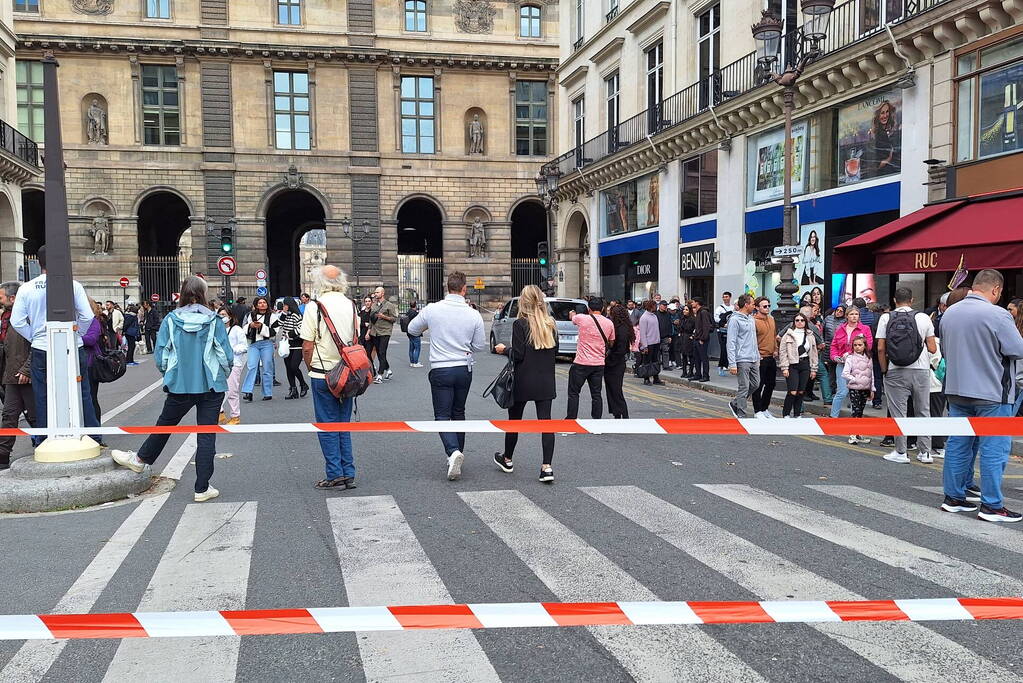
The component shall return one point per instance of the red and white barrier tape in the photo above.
(495, 615)
(826, 426)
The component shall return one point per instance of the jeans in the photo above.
(449, 388)
(336, 446)
(415, 345)
(901, 385)
(132, 341)
(380, 344)
(702, 360)
(768, 377)
(748, 375)
(994, 455)
(39, 389)
(151, 339)
(822, 375)
(175, 407)
(261, 351)
(841, 393)
(585, 374)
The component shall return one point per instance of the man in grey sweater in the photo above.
(456, 332)
(743, 353)
(981, 346)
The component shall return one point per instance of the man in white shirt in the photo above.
(28, 318)
(321, 354)
(721, 323)
(907, 372)
(456, 332)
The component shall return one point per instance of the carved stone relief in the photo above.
(98, 7)
(475, 16)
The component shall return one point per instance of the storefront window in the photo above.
(767, 163)
(700, 185)
(631, 206)
(869, 140)
(989, 99)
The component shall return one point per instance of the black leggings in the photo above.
(543, 412)
(293, 364)
(614, 376)
(799, 375)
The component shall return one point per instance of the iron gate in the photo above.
(162, 275)
(525, 271)
(420, 279)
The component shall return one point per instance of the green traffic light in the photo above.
(543, 262)
(226, 247)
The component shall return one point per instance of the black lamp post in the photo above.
(355, 237)
(546, 187)
(768, 35)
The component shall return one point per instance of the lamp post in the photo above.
(768, 35)
(355, 237)
(546, 187)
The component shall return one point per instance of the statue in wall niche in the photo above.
(474, 16)
(98, 7)
(96, 124)
(100, 233)
(477, 239)
(476, 133)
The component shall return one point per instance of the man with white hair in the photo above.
(321, 354)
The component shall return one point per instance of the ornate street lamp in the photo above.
(768, 35)
(546, 187)
(355, 237)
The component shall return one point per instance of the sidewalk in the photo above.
(725, 386)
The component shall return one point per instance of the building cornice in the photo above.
(237, 50)
(613, 47)
(649, 17)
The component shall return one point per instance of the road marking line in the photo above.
(175, 467)
(908, 652)
(959, 525)
(111, 414)
(206, 568)
(573, 570)
(383, 563)
(962, 577)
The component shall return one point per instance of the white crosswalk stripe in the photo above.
(910, 652)
(205, 567)
(575, 571)
(965, 578)
(383, 563)
(965, 525)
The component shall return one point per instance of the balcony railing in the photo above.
(609, 17)
(578, 43)
(16, 144)
(850, 23)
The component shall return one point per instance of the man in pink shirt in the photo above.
(595, 336)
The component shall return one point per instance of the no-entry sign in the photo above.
(175, 296)
(227, 265)
(123, 282)
(154, 297)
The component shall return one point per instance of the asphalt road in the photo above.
(629, 518)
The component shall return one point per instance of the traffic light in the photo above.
(227, 240)
(543, 256)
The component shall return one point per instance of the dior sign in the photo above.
(696, 261)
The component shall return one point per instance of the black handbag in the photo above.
(648, 370)
(503, 387)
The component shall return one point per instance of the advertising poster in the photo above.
(870, 138)
(770, 163)
(648, 190)
(849, 286)
(620, 208)
(810, 268)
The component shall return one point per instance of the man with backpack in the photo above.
(904, 338)
(722, 313)
(456, 332)
(596, 333)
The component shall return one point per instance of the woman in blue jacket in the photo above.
(194, 355)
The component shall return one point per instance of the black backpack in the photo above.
(110, 363)
(903, 344)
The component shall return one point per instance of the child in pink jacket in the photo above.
(859, 376)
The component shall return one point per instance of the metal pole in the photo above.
(787, 287)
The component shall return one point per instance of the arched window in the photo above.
(529, 21)
(415, 15)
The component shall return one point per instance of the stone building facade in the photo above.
(279, 117)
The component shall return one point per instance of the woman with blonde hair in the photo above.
(533, 347)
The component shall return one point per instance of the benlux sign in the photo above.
(696, 261)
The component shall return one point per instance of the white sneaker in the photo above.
(769, 415)
(455, 465)
(895, 456)
(208, 494)
(852, 440)
(938, 453)
(388, 375)
(129, 459)
(378, 380)
(862, 440)
(417, 365)
(925, 458)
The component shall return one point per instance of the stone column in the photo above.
(12, 257)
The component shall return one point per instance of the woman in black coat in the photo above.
(688, 322)
(533, 347)
(614, 366)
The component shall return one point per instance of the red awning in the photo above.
(983, 232)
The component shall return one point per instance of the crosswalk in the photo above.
(207, 565)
